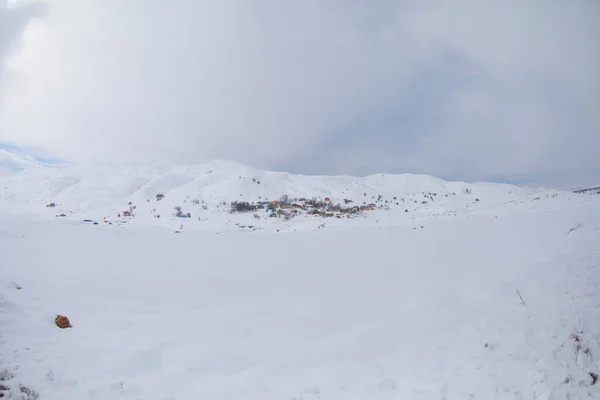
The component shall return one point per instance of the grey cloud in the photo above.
(534, 112)
(459, 89)
(13, 21)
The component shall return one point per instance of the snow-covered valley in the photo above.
(435, 290)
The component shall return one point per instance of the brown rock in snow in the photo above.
(62, 322)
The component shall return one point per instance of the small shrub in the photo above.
(5, 375)
(574, 228)
(28, 394)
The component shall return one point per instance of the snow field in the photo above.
(364, 310)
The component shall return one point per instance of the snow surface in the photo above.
(388, 305)
(11, 162)
(102, 191)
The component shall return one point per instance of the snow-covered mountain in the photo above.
(413, 287)
(11, 162)
(104, 191)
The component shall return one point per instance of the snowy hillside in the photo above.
(11, 162)
(110, 192)
(413, 288)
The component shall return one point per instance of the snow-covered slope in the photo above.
(104, 191)
(11, 162)
(414, 288)
(499, 303)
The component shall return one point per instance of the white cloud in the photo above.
(13, 19)
(278, 84)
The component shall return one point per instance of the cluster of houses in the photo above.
(324, 208)
(286, 208)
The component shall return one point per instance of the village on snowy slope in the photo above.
(285, 207)
(228, 193)
(443, 288)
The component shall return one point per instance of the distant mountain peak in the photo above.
(12, 162)
(13, 159)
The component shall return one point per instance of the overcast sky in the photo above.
(461, 89)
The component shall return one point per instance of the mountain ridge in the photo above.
(157, 194)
